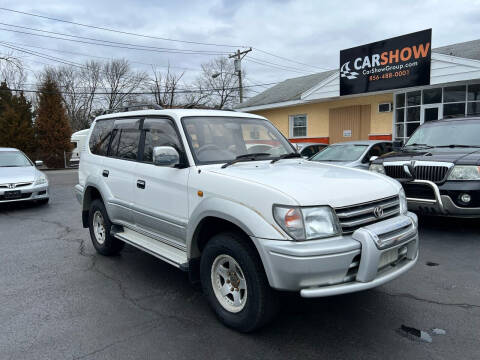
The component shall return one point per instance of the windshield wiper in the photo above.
(457, 146)
(244, 157)
(286, 156)
(420, 146)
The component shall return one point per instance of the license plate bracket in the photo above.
(388, 257)
(12, 194)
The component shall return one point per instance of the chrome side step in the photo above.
(165, 252)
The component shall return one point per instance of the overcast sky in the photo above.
(309, 32)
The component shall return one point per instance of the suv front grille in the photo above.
(433, 173)
(395, 171)
(353, 217)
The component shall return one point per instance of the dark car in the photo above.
(439, 167)
(309, 149)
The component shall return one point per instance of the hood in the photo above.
(339, 163)
(17, 174)
(464, 156)
(314, 183)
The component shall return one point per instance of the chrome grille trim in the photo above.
(17, 185)
(355, 216)
(434, 171)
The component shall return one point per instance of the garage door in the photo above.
(349, 123)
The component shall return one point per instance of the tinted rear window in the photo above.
(125, 139)
(100, 137)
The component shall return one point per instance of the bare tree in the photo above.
(68, 80)
(164, 87)
(219, 79)
(12, 71)
(90, 76)
(119, 81)
(196, 98)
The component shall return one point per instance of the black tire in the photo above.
(110, 245)
(261, 303)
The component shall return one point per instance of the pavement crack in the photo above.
(136, 302)
(429, 301)
(116, 342)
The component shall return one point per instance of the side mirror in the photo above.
(38, 163)
(373, 158)
(397, 144)
(165, 156)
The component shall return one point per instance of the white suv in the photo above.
(225, 197)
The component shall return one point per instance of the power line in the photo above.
(44, 56)
(178, 91)
(276, 67)
(158, 37)
(173, 50)
(280, 65)
(119, 31)
(290, 60)
(95, 56)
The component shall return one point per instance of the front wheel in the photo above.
(234, 281)
(99, 225)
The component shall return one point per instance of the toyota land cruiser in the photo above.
(213, 193)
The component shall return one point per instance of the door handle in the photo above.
(105, 173)
(140, 184)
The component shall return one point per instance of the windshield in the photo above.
(448, 133)
(222, 139)
(13, 159)
(343, 152)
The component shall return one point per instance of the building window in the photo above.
(453, 101)
(432, 96)
(298, 125)
(473, 98)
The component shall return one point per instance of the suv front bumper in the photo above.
(345, 263)
(439, 200)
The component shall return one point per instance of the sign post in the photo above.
(399, 62)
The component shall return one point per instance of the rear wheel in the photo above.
(99, 225)
(235, 283)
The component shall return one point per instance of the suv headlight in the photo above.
(403, 201)
(41, 180)
(465, 172)
(306, 223)
(378, 168)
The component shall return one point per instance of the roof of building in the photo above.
(292, 89)
(467, 50)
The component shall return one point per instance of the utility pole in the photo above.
(238, 56)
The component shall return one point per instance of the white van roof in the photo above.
(81, 133)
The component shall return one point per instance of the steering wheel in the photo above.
(207, 147)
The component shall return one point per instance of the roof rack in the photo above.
(132, 108)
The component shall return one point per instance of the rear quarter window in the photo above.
(100, 137)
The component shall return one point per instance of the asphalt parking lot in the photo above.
(61, 300)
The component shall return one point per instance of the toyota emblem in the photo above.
(378, 212)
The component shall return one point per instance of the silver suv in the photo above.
(212, 193)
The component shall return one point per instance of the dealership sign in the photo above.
(399, 62)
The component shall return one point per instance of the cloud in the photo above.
(310, 32)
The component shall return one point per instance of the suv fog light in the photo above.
(465, 198)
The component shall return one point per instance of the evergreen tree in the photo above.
(16, 127)
(52, 127)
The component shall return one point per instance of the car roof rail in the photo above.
(132, 108)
